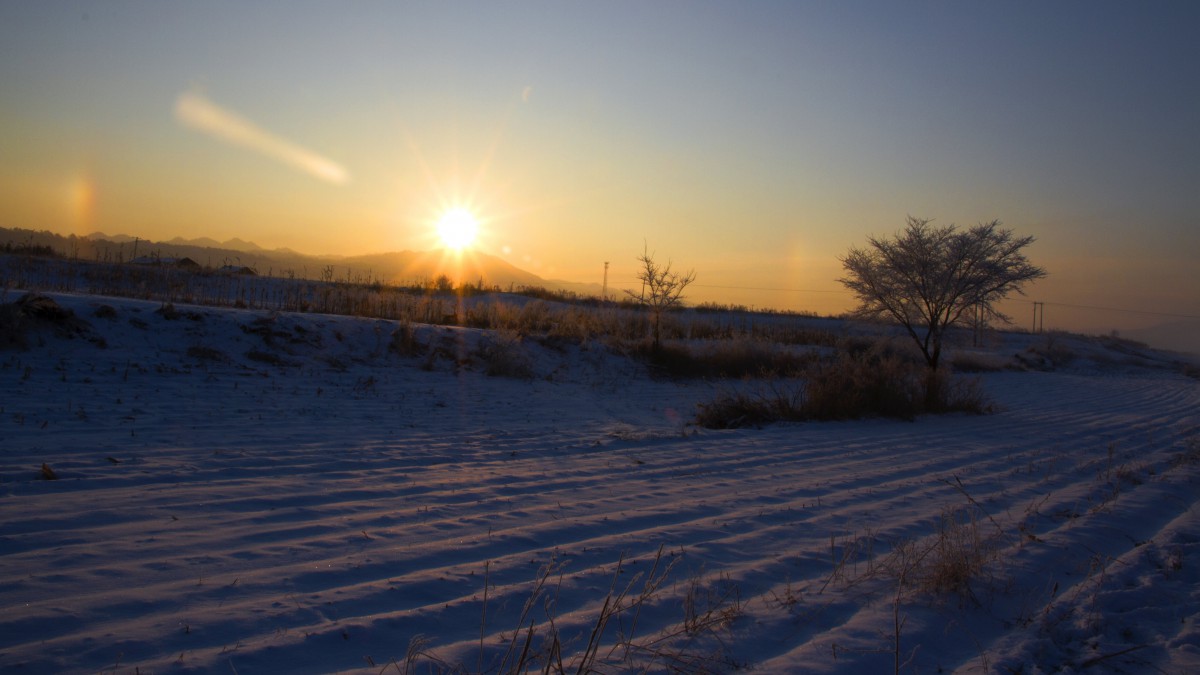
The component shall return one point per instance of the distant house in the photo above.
(159, 261)
(238, 269)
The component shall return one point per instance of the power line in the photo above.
(761, 288)
(1119, 309)
(764, 288)
(1052, 304)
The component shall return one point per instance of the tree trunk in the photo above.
(933, 390)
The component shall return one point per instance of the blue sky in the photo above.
(755, 142)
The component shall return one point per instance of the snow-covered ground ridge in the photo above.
(248, 491)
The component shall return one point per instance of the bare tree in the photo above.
(928, 278)
(662, 289)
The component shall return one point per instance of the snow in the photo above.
(241, 491)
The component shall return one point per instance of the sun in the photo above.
(457, 229)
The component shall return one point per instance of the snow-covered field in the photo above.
(237, 491)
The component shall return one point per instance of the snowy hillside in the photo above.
(194, 489)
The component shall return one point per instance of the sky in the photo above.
(752, 142)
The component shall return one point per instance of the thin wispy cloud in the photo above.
(195, 111)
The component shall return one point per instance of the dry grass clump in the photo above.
(961, 395)
(795, 335)
(504, 356)
(1053, 353)
(270, 358)
(206, 353)
(872, 383)
(573, 323)
(32, 312)
(13, 327)
(716, 322)
(733, 410)
(168, 311)
(611, 640)
(1123, 345)
(958, 561)
(735, 358)
(44, 308)
(875, 381)
(1190, 454)
(957, 555)
(973, 362)
(950, 562)
(404, 341)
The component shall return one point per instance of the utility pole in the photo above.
(1039, 316)
(604, 293)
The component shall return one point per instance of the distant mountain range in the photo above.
(400, 267)
(234, 244)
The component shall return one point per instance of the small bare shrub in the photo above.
(874, 382)
(662, 290)
(404, 341)
(504, 356)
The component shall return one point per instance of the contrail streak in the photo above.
(197, 112)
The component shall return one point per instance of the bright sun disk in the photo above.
(457, 228)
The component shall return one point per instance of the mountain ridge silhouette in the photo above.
(393, 267)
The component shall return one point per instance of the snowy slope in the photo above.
(244, 492)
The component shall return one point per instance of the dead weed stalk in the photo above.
(611, 641)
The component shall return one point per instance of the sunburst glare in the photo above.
(457, 228)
